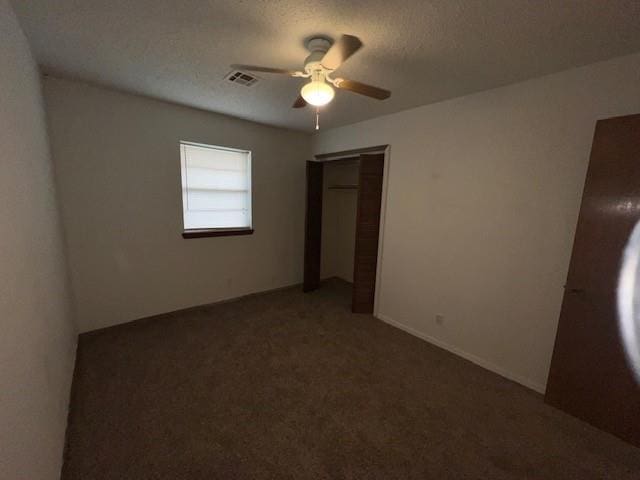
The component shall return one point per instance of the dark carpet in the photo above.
(287, 385)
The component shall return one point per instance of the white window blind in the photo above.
(216, 187)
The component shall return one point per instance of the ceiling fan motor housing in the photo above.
(318, 46)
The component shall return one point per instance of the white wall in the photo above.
(339, 208)
(37, 335)
(117, 159)
(483, 199)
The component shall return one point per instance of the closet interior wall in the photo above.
(339, 207)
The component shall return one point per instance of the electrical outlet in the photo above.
(440, 319)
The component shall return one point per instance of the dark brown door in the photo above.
(589, 376)
(313, 227)
(367, 232)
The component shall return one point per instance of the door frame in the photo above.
(386, 150)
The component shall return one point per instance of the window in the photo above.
(216, 190)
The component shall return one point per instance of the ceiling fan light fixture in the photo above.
(325, 57)
(317, 93)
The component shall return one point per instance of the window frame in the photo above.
(215, 231)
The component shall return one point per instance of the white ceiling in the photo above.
(424, 51)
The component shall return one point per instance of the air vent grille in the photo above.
(241, 78)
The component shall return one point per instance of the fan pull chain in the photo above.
(317, 118)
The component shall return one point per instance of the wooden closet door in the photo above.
(589, 376)
(367, 232)
(313, 227)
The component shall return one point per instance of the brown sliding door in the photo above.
(367, 232)
(589, 377)
(313, 227)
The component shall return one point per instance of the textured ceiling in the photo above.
(424, 51)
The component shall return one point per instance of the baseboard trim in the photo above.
(540, 388)
(487, 365)
(189, 309)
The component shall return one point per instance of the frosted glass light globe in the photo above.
(317, 93)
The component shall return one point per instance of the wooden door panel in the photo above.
(367, 232)
(589, 376)
(313, 227)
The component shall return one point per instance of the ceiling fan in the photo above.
(324, 59)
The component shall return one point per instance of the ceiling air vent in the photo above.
(241, 78)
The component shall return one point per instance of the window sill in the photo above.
(216, 233)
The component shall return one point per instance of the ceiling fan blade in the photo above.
(300, 102)
(362, 89)
(255, 68)
(342, 49)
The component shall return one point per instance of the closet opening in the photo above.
(343, 222)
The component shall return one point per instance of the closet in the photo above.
(342, 225)
(339, 210)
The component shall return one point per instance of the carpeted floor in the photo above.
(288, 385)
